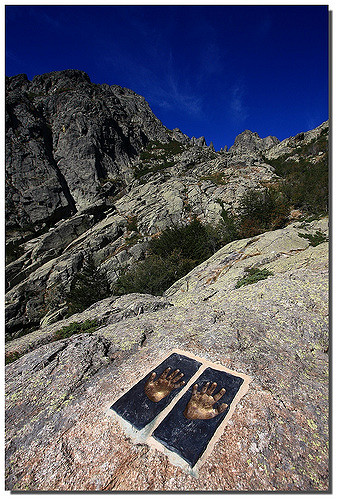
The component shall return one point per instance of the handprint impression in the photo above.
(201, 403)
(160, 388)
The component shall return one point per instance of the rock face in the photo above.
(250, 142)
(291, 144)
(59, 435)
(65, 138)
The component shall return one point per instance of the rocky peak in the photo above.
(179, 136)
(58, 80)
(250, 142)
(65, 137)
(18, 81)
(198, 142)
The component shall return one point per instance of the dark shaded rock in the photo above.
(299, 137)
(65, 136)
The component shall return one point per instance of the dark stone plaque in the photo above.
(190, 437)
(136, 407)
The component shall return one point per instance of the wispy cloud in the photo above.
(211, 59)
(41, 15)
(165, 87)
(10, 55)
(179, 92)
(238, 109)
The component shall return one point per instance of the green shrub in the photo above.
(217, 178)
(88, 286)
(154, 149)
(132, 223)
(314, 239)
(132, 240)
(262, 211)
(88, 326)
(228, 228)
(12, 356)
(172, 255)
(153, 275)
(190, 241)
(154, 157)
(252, 276)
(172, 147)
(305, 184)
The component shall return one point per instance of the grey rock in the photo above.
(64, 138)
(54, 316)
(198, 142)
(201, 141)
(104, 312)
(287, 146)
(250, 142)
(178, 135)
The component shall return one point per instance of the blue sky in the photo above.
(209, 70)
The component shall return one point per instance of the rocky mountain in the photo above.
(250, 142)
(124, 240)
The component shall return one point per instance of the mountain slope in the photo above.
(92, 173)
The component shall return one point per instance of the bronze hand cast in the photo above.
(160, 388)
(201, 403)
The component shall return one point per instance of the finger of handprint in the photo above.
(180, 375)
(204, 389)
(219, 394)
(173, 374)
(212, 388)
(221, 408)
(194, 389)
(152, 377)
(179, 384)
(165, 373)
